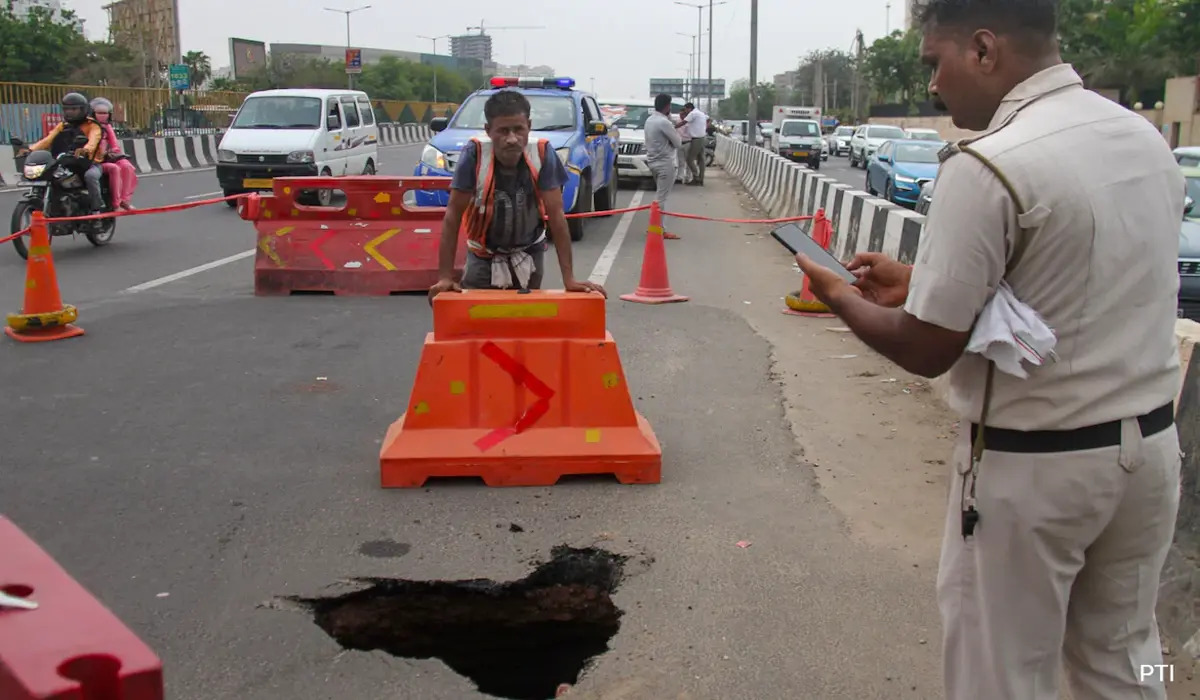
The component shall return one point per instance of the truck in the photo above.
(781, 112)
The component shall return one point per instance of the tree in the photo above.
(102, 63)
(893, 66)
(199, 67)
(34, 48)
(737, 105)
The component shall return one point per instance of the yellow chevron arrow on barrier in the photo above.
(370, 248)
(266, 247)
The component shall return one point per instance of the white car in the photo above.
(839, 140)
(1188, 156)
(629, 119)
(867, 139)
(923, 134)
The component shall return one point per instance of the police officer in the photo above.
(1063, 504)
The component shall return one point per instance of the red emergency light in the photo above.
(528, 82)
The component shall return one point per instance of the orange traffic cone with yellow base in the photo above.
(43, 316)
(655, 287)
(804, 302)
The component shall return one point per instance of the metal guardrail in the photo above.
(155, 112)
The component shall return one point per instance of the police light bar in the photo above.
(526, 82)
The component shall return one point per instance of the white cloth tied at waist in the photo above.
(1009, 332)
(521, 261)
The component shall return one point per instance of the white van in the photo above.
(296, 133)
(629, 119)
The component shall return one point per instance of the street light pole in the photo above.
(693, 64)
(699, 33)
(434, 39)
(710, 53)
(752, 127)
(349, 76)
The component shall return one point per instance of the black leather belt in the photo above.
(1087, 438)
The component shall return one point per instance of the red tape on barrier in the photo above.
(522, 376)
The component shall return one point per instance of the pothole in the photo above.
(518, 640)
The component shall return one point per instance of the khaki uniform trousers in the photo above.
(1063, 569)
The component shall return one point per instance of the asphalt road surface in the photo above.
(202, 452)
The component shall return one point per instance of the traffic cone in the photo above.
(655, 287)
(804, 302)
(43, 316)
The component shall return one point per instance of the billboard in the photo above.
(246, 57)
(691, 88)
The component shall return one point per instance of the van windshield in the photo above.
(799, 129)
(634, 117)
(277, 112)
(547, 112)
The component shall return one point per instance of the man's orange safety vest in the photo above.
(478, 217)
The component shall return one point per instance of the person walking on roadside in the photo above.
(506, 188)
(682, 174)
(1066, 483)
(694, 125)
(662, 144)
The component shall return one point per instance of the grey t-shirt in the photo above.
(662, 139)
(516, 221)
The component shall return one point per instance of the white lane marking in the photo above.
(188, 272)
(609, 255)
(151, 175)
(204, 195)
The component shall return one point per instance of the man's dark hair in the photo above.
(1030, 18)
(505, 103)
(688, 105)
(662, 101)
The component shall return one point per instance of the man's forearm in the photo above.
(561, 235)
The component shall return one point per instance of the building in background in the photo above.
(785, 82)
(247, 57)
(149, 29)
(689, 89)
(21, 8)
(473, 46)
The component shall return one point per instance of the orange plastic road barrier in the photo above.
(519, 388)
(43, 316)
(804, 302)
(655, 285)
(372, 244)
(69, 645)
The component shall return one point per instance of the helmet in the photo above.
(74, 108)
(101, 104)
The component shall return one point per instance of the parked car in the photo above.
(900, 168)
(867, 139)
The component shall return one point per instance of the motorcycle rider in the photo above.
(61, 139)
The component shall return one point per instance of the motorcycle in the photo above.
(57, 189)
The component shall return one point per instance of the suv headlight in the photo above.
(564, 155)
(300, 157)
(225, 155)
(434, 158)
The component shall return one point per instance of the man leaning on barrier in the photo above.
(505, 188)
(1062, 505)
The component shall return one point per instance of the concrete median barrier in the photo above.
(178, 153)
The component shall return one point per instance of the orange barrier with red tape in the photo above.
(519, 388)
(372, 244)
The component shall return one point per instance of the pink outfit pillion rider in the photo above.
(122, 176)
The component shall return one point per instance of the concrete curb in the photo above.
(177, 153)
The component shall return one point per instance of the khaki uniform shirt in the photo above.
(1103, 202)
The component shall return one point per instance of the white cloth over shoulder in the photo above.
(1008, 332)
(521, 261)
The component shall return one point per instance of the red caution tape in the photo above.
(522, 376)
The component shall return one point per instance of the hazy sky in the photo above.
(620, 44)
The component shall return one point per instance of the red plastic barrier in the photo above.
(71, 647)
(370, 244)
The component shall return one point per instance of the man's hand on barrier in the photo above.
(585, 286)
(881, 279)
(826, 284)
(443, 285)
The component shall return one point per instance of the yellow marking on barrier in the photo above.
(591, 435)
(369, 248)
(656, 230)
(489, 311)
(457, 387)
(610, 380)
(269, 250)
(31, 284)
(421, 409)
(352, 212)
(295, 212)
(383, 198)
(397, 210)
(39, 250)
(266, 213)
(287, 190)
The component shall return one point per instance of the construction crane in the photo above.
(481, 28)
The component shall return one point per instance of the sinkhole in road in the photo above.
(518, 640)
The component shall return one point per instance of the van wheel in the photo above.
(370, 168)
(583, 204)
(231, 203)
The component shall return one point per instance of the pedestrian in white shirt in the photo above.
(694, 125)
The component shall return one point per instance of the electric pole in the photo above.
(349, 76)
(710, 53)
(752, 127)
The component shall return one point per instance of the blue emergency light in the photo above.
(527, 82)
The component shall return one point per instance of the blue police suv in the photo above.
(569, 119)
